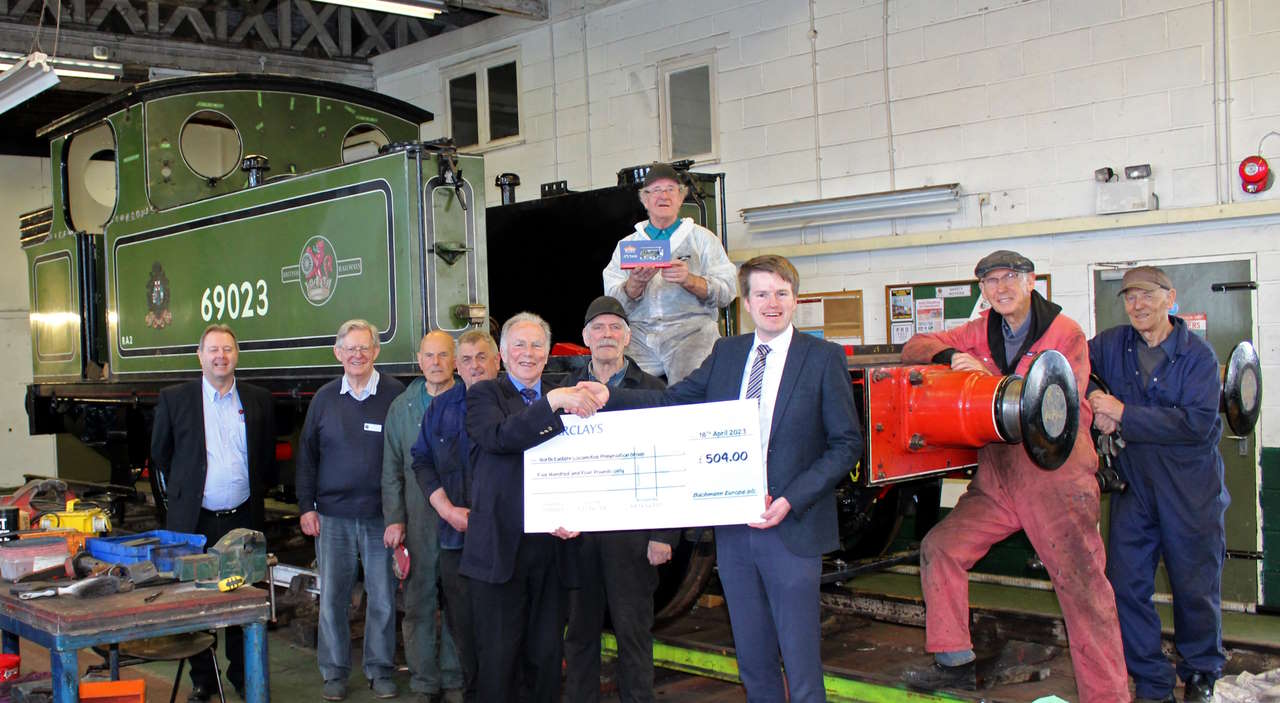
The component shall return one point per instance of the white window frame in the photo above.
(665, 69)
(480, 67)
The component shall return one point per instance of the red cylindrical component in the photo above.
(949, 408)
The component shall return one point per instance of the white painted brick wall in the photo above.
(1017, 100)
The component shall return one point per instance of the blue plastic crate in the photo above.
(171, 546)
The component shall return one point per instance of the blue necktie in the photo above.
(756, 380)
(529, 394)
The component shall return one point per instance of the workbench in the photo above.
(65, 624)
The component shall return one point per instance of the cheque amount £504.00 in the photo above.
(679, 466)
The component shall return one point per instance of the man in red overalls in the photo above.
(1058, 510)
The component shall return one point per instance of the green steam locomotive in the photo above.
(280, 206)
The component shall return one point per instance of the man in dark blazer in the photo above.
(770, 569)
(518, 581)
(213, 442)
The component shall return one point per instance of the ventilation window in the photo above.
(362, 141)
(687, 105)
(91, 178)
(210, 145)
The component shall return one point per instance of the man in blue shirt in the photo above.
(1163, 401)
(339, 484)
(214, 442)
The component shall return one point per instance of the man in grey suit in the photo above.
(770, 569)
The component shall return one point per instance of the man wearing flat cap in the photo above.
(617, 569)
(1161, 397)
(1058, 510)
(673, 310)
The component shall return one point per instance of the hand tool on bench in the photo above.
(92, 587)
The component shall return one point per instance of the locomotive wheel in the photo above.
(682, 580)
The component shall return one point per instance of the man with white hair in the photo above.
(673, 310)
(339, 484)
(518, 580)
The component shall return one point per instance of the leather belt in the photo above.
(225, 513)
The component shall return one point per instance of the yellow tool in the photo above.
(229, 583)
(91, 521)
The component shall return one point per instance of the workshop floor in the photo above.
(294, 677)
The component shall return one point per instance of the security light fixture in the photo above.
(1138, 171)
(426, 9)
(913, 202)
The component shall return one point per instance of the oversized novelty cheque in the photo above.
(680, 466)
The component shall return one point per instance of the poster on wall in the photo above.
(929, 315)
(1197, 323)
(902, 331)
(900, 305)
(808, 313)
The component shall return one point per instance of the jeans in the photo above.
(342, 545)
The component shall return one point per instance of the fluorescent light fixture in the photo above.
(893, 204)
(24, 80)
(426, 9)
(68, 68)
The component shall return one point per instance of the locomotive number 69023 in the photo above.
(237, 301)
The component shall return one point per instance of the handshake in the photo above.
(583, 400)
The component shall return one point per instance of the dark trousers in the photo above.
(213, 527)
(522, 622)
(773, 608)
(1178, 519)
(455, 589)
(616, 573)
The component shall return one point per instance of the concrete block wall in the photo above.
(24, 186)
(1017, 100)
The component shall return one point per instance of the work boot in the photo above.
(1197, 689)
(936, 676)
(384, 687)
(334, 690)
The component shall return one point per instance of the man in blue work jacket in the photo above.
(1164, 398)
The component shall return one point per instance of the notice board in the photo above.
(937, 306)
(834, 315)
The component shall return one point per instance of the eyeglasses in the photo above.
(1007, 279)
(361, 349)
(1146, 296)
(664, 190)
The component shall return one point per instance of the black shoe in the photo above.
(936, 676)
(1197, 689)
(201, 694)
